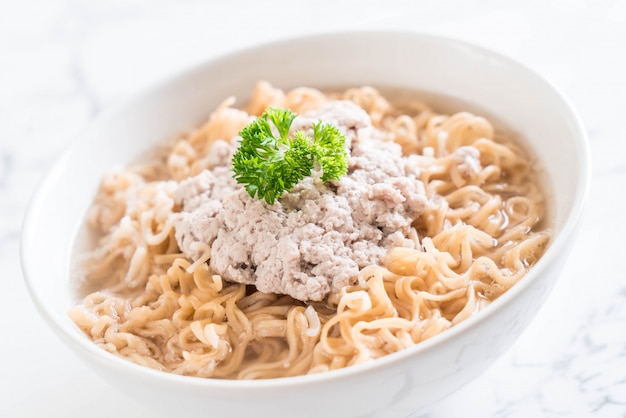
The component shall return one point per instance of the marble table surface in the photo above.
(62, 62)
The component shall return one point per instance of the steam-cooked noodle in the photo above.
(478, 236)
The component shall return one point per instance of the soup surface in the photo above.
(436, 217)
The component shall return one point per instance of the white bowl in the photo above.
(397, 385)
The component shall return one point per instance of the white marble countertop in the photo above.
(62, 62)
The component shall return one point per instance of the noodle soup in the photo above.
(463, 220)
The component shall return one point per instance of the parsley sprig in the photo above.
(268, 164)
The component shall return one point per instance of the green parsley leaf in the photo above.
(269, 165)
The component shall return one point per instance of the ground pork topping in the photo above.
(314, 239)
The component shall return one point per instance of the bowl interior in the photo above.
(514, 96)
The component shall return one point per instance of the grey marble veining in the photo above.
(62, 63)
